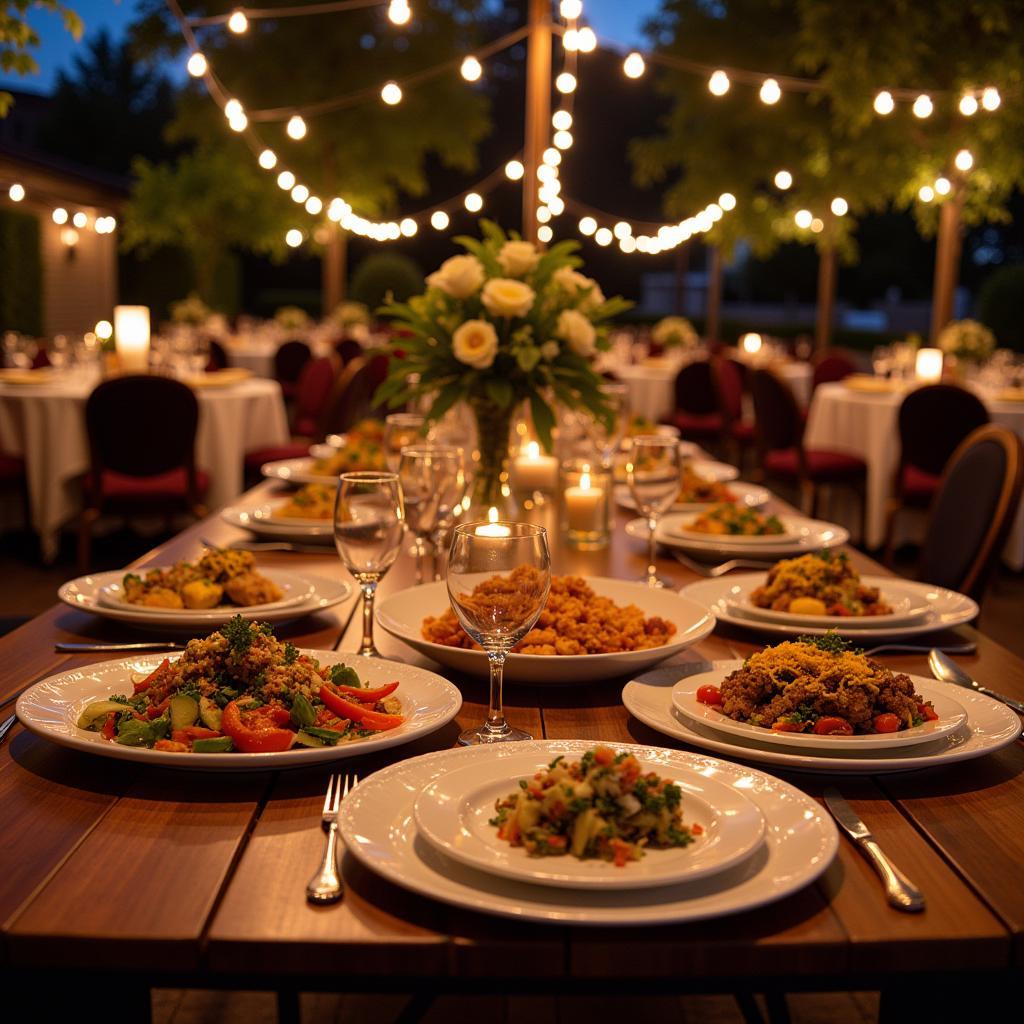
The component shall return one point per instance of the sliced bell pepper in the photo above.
(257, 731)
(363, 717)
(145, 684)
(367, 696)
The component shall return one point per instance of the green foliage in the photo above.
(385, 277)
(21, 281)
(999, 305)
(18, 39)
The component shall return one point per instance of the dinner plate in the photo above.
(453, 813)
(402, 616)
(946, 608)
(84, 594)
(750, 495)
(872, 385)
(989, 727)
(808, 535)
(225, 378)
(296, 591)
(51, 709)
(682, 526)
(687, 450)
(378, 825)
(38, 375)
(297, 471)
(908, 607)
(951, 717)
(260, 520)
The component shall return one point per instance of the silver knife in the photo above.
(63, 647)
(899, 890)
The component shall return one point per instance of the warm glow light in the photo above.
(884, 103)
(69, 237)
(926, 193)
(300, 193)
(783, 180)
(586, 40)
(314, 205)
(565, 82)
(239, 123)
(551, 157)
(622, 229)
(770, 92)
(563, 140)
(840, 206)
(928, 365)
(571, 40)
(514, 170)
(16, 193)
(197, 66)
(391, 93)
(603, 236)
(79, 220)
(751, 343)
(633, 66)
(474, 202)
(943, 186)
(556, 206)
(545, 234)
(543, 214)
(104, 330)
(232, 109)
(439, 220)
(923, 106)
(399, 12)
(471, 69)
(286, 180)
(546, 173)
(727, 201)
(627, 244)
(817, 225)
(570, 9)
(131, 337)
(803, 218)
(268, 159)
(968, 105)
(60, 215)
(238, 22)
(561, 120)
(587, 225)
(718, 83)
(296, 127)
(963, 161)
(408, 227)
(990, 98)
(293, 238)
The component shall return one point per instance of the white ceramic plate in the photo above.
(809, 535)
(682, 527)
(908, 607)
(378, 826)
(297, 471)
(750, 495)
(84, 594)
(951, 717)
(51, 709)
(453, 813)
(402, 616)
(296, 591)
(946, 608)
(261, 521)
(687, 450)
(990, 726)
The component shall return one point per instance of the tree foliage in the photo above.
(18, 39)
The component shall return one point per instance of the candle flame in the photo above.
(492, 515)
(585, 481)
(532, 450)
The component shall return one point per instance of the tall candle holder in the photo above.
(586, 488)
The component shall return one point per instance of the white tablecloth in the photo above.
(866, 425)
(257, 354)
(45, 424)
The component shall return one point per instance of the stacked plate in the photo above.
(424, 824)
(969, 725)
(264, 520)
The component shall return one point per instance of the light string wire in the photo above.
(256, 13)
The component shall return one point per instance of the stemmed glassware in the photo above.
(652, 469)
(433, 481)
(499, 575)
(400, 429)
(369, 520)
(607, 441)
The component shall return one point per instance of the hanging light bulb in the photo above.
(839, 206)
(770, 92)
(80, 220)
(923, 106)
(570, 40)
(293, 238)
(399, 12)
(817, 225)
(471, 69)
(104, 330)
(391, 93)
(634, 66)
(565, 82)
(627, 244)
(551, 156)
(197, 66)
(60, 215)
(570, 9)
(16, 192)
(514, 170)
(296, 127)
(622, 229)
(926, 193)
(300, 193)
(561, 120)
(783, 180)
(964, 160)
(586, 40)
(563, 140)
(545, 234)
(543, 214)
(556, 206)
(408, 227)
(968, 104)
(286, 181)
(718, 83)
(990, 98)
(727, 201)
(239, 123)
(803, 218)
(439, 220)
(474, 202)
(943, 186)
(884, 103)
(268, 159)
(587, 225)
(603, 236)
(314, 204)
(238, 22)
(232, 109)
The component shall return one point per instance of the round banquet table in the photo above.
(256, 354)
(865, 424)
(45, 424)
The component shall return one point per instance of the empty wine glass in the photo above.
(499, 575)
(430, 475)
(400, 429)
(369, 519)
(652, 469)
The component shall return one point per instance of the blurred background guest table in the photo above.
(45, 424)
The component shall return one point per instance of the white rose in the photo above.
(578, 332)
(504, 297)
(475, 343)
(549, 350)
(518, 258)
(575, 284)
(459, 276)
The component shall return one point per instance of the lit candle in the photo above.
(583, 506)
(532, 471)
(751, 343)
(131, 337)
(492, 528)
(928, 366)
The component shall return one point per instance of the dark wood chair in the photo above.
(352, 398)
(218, 357)
(933, 421)
(730, 382)
(289, 360)
(14, 477)
(142, 434)
(697, 414)
(348, 349)
(830, 365)
(779, 428)
(973, 511)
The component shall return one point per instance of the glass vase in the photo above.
(490, 485)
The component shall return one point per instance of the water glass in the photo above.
(499, 574)
(400, 429)
(369, 520)
(652, 470)
(433, 482)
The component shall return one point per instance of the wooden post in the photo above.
(947, 260)
(826, 297)
(713, 298)
(538, 108)
(333, 270)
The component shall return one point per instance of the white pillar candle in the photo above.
(131, 337)
(583, 506)
(532, 471)
(928, 365)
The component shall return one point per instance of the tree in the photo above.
(18, 39)
(366, 152)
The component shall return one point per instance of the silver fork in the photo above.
(714, 571)
(6, 725)
(326, 885)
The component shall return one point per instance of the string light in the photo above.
(514, 170)
(570, 9)
(232, 109)
(963, 161)
(990, 98)
(783, 180)
(293, 238)
(557, 206)
(587, 225)
(727, 201)
(884, 103)
(926, 193)
(817, 225)
(627, 244)
(718, 83)
(300, 193)
(80, 220)
(16, 192)
(839, 206)
(603, 236)
(391, 93)
(474, 202)
(471, 69)
(543, 214)
(60, 215)
(197, 66)
(408, 227)
(968, 105)
(923, 106)
(268, 159)
(439, 220)
(561, 120)
(770, 92)
(551, 156)
(803, 218)
(634, 66)
(545, 234)
(399, 12)
(314, 205)
(943, 186)
(286, 181)
(622, 229)
(296, 127)
(570, 40)
(104, 330)
(565, 82)
(563, 140)
(586, 40)
(238, 22)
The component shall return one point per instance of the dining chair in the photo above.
(218, 357)
(973, 511)
(348, 349)
(352, 398)
(831, 365)
(697, 414)
(14, 477)
(142, 433)
(779, 428)
(730, 382)
(933, 421)
(289, 360)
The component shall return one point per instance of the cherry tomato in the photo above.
(257, 731)
(887, 722)
(603, 755)
(709, 694)
(831, 726)
(927, 712)
(362, 716)
(789, 726)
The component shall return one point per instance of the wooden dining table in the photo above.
(117, 877)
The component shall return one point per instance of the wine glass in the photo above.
(607, 441)
(499, 575)
(369, 519)
(400, 429)
(430, 475)
(652, 469)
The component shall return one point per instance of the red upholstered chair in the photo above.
(348, 349)
(933, 420)
(218, 357)
(730, 377)
(353, 396)
(289, 360)
(698, 414)
(142, 433)
(779, 430)
(830, 365)
(13, 477)
(973, 511)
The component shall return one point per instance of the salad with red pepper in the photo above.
(241, 689)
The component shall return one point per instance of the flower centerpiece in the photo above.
(191, 311)
(500, 325)
(675, 332)
(347, 314)
(967, 341)
(291, 318)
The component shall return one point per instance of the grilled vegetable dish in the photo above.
(695, 489)
(734, 521)
(823, 584)
(363, 450)
(314, 501)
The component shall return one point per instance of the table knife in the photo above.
(899, 890)
(63, 647)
